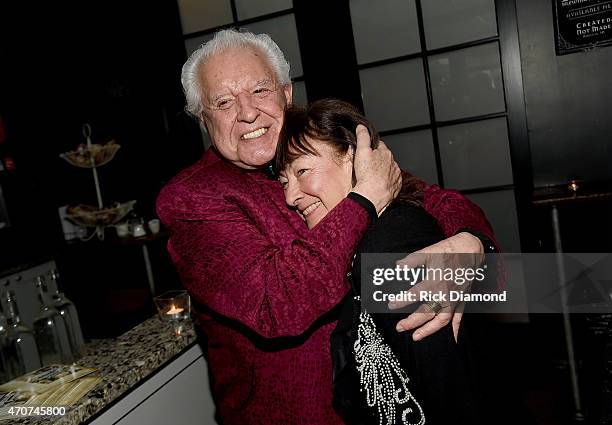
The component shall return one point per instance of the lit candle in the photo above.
(573, 186)
(174, 311)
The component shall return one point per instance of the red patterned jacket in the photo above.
(266, 283)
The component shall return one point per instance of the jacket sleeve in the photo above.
(455, 213)
(229, 264)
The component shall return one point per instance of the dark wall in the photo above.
(328, 50)
(568, 102)
(115, 65)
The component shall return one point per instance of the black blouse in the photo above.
(436, 366)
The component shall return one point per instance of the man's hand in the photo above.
(460, 251)
(378, 176)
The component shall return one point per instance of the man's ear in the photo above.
(203, 122)
(288, 91)
(203, 125)
(203, 128)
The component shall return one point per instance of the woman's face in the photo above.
(315, 184)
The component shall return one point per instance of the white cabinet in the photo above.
(178, 394)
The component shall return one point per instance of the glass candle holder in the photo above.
(173, 306)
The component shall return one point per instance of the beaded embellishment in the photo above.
(381, 376)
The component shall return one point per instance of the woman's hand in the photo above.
(378, 177)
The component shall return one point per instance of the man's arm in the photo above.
(228, 264)
(458, 217)
(455, 213)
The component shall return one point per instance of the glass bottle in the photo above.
(4, 371)
(50, 331)
(66, 308)
(21, 352)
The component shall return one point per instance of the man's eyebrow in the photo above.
(217, 97)
(259, 83)
(264, 82)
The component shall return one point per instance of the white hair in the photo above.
(224, 40)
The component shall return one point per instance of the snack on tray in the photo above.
(91, 216)
(83, 155)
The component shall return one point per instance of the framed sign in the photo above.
(582, 25)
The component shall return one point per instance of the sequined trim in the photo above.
(382, 378)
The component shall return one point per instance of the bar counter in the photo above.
(123, 363)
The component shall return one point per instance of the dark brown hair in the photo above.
(334, 122)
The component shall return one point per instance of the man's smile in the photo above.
(256, 133)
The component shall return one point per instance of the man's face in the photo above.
(243, 106)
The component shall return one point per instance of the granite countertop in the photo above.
(122, 363)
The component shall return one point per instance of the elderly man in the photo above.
(266, 286)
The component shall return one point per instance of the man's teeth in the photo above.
(256, 133)
(311, 208)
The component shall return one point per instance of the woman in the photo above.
(380, 375)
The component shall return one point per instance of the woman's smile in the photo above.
(315, 184)
(311, 208)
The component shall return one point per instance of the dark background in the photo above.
(107, 64)
(568, 101)
(116, 65)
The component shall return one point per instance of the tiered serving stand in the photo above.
(98, 218)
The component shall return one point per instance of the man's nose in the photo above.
(247, 111)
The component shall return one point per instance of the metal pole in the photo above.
(97, 183)
(578, 416)
(87, 134)
(147, 260)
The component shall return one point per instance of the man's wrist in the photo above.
(371, 196)
(495, 273)
(365, 203)
(467, 243)
(488, 245)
